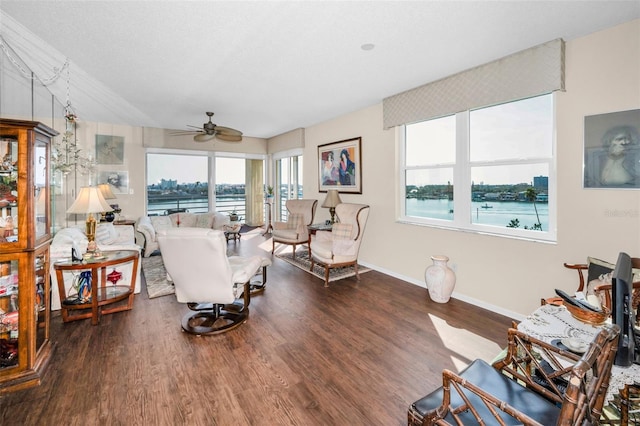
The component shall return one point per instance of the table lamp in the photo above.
(107, 194)
(90, 201)
(331, 201)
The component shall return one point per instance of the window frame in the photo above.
(462, 184)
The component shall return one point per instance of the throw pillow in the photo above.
(160, 222)
(106, 234)
(599, 271)
(204, 220)
(341, 231)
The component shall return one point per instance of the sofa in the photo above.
(148, 226)
(108, 237)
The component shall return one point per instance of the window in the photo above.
(486, 170)
(177, 183)
(198, 182)
(288, 177)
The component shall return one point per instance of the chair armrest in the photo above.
(147, 235)
(343, 247)
(578, 267)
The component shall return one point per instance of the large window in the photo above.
(487, 170)
(179, 181)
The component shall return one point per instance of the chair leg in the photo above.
(294, 252)
(273, 245)
(326, 276)
(355, 266)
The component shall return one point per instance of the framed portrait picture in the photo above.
(109, 149)
(340, 166)
(119, 180)
(612, 150)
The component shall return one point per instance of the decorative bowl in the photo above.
(589, 317)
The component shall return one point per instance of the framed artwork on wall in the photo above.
(109, 149)
(119, 180)
(340, 166)
(612, 150)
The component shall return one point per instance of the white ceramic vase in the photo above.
(440, 279)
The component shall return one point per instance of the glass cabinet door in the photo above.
(9, 188)
(41, 188)
(9, 314)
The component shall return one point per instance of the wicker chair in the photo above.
(534, 384)
(603, 291)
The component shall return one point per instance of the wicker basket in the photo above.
(590, 317)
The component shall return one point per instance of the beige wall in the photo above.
(507, 275)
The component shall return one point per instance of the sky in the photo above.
(515, 130)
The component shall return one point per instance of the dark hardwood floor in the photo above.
(351, 354)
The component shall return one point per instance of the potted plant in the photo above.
(269, 191)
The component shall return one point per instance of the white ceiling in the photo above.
(272, 66)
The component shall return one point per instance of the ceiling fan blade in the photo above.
(194, 127)
(184, 132)
(228, 131)
(203, 137)
(229, 138)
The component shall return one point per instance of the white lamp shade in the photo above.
(107, 193)
(332, 199)
(89, 200)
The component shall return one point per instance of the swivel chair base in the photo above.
(211, 319)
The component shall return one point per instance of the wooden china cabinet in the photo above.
(25, 235)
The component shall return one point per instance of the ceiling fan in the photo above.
(210, 130)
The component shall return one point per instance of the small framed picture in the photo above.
(340, 166)
(109, 149)
(612, 150)
(119, 180)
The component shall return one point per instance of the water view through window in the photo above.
(181, 183)
(486, 167)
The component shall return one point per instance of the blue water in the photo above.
(500, 213)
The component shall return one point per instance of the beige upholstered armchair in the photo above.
(340, 246)
(294, 231)
(208, 281)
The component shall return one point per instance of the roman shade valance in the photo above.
(527, 73)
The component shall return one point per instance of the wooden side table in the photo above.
(102, 292)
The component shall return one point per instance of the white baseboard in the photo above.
(493, 308)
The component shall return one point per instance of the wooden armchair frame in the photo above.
(537, 393)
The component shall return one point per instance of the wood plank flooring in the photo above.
(351, 354)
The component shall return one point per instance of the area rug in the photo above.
(156, 277)
(303, 262)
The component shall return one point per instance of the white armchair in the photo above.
(340, 246)
(207, 280)
(294, 231)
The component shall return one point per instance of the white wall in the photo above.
(506, 275)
